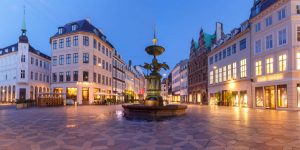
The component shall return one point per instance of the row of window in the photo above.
(39, 77)
(282, 64)
(269, 44)
(66, 77)
(85, 60)
(228, 72)
(36, 62)
(281, 14)
(85, 42)
(228, 51)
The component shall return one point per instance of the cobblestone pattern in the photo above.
(103, 127)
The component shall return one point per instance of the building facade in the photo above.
(197, 72)
(275, 41)
(184, 80)
(81, 62)
(24, 71)
(229, 69)
(118, 74)
(175, 84)
(180, 82)
(164, 89)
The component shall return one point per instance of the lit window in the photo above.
(282, 62)
(243, 68)
(211, 77)
(282, 37)
(269, 63)
(234, 70)
(229, 72)
(258, 68)
(216, 76)
(220, 74)
(224, 73)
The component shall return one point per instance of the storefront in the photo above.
(271, 97)
(229, 98)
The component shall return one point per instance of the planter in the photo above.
(22, 106)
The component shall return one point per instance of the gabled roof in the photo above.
(85, 26)
(260, 5)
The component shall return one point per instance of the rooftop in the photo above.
(85, 26)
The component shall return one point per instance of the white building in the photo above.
(118, 74)
(229, 73)
(81, 62)
(184, 80)
(24, 71)
(180, 82)
(275, 41)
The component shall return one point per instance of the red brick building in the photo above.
(197, 71)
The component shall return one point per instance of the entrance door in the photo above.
(22, 93)
(85, 95)
(270, 97)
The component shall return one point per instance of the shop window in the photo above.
(235, 98)
(71, 93)
(282, 95)
(244, 98)
(259, 97)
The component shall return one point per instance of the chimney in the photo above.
(219, 31)
(88, 19)
(129, 63)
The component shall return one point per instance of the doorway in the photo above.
(85, 95)
(22, 93)
(270, 97)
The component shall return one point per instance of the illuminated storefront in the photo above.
(267, 97)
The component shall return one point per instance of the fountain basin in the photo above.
(139, 111)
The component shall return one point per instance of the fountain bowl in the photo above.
(140, 111)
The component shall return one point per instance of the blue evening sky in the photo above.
(128, 24)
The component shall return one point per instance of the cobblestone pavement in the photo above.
(103, 127)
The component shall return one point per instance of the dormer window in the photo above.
(74, 27)
(60, 30)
